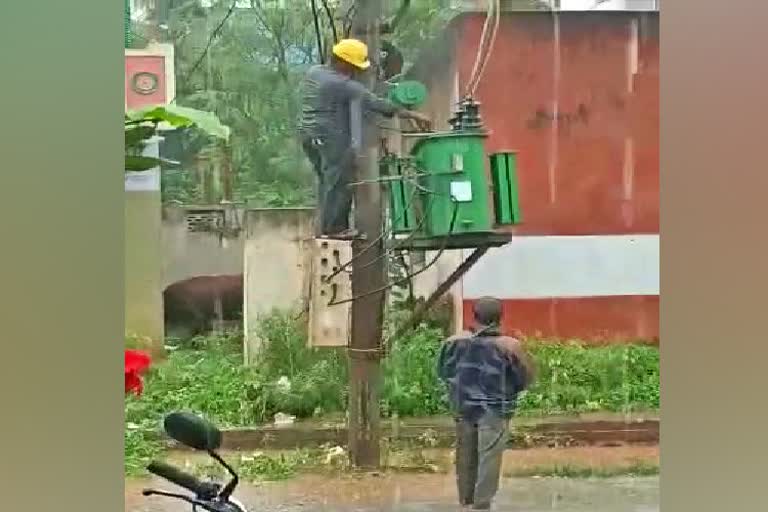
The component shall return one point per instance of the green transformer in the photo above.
(454, 187)
(448, 192)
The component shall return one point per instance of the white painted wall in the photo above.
(567, 266)
(565, 5)
(609, 5)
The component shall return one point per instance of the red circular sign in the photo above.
(144, 83)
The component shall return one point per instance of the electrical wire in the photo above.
(399, 246)
(384, 234)
(347, 20)
(413, 274)
(316, 20)
(331, 23)
(399, 15)
(489, 50)
(481, 44)
(211, 38)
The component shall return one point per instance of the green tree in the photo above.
(248, 71)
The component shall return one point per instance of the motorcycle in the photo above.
(199, 434)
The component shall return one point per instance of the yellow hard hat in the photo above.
(352, 51)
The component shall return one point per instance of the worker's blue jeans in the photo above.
(479, 450)
(334, 165)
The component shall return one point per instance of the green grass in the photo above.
(263, 467)
(637, 469)
(206, 375)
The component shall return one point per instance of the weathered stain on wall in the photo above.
(599, 174)
(576, 94)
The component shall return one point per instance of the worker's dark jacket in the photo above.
(325, 106)
(482, 375)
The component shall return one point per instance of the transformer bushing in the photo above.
(469, 115)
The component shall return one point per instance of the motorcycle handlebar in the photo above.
(180, 478)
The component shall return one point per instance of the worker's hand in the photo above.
(424, 123)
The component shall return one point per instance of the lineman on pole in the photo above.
(326, 135)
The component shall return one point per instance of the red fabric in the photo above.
(136, 363)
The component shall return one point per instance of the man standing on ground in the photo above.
(326, 134)
(485, 372)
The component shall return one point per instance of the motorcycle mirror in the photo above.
(193, 431)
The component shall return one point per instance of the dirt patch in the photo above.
(596, 460)
(596, 433)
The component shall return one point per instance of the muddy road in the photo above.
(424, 493)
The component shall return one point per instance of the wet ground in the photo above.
(435, 492)
(425, 493)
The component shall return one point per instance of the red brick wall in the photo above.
(594, 188)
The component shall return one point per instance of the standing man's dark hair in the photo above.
(487, 312)
(485, 372)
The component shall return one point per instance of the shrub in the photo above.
(207, 376)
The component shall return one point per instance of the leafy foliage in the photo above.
(142, 125)
(250, 78)
(411, 386)
(207, 376)
(575, 378)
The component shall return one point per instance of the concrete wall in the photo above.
(143, 245)
(277, 252)
(277, 259)
(188, 253)
(271, 252)
(143, 252)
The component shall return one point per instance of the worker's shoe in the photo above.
(347, 234)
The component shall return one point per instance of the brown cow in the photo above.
(191, 305)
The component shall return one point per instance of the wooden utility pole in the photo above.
(368, 268)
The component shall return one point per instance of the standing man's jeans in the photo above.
(334, 165)
(479, 449)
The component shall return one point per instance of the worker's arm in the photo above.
(373, 103)
(520, 358)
